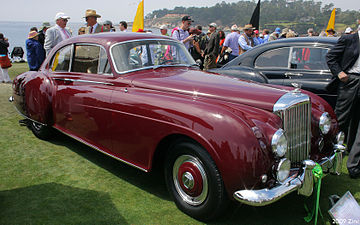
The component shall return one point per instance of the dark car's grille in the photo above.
(294, 108)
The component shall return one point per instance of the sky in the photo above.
(114, 10)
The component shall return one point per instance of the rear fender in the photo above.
(33, 95)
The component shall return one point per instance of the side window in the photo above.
(309, 58)
(104, 66)
(278, 58)
(86, 59)
(61, 60)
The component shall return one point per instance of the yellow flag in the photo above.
(331, 23)
(139, 18)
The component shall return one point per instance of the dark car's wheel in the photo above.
(40, 131)
(194, 181)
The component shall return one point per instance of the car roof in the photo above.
(108, 38)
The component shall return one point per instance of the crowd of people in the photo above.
(210, 49)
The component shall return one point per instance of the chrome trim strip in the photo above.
(302, 182)
(26, 117)
(289, 99)
(96, 148)
(84, 81)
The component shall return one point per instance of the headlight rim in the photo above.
(280, 133)
(325, 118)
(279, 166)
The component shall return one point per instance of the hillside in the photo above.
(296, 14)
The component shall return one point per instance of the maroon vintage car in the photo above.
(140, 99)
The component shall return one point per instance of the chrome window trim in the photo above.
(71, 57)
(301, 46)
(84, 81)
(146, 67)
(289, 58)
(92, 44)
(269, 67)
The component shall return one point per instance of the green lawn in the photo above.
(65, 182)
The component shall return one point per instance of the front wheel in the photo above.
(40, 131)
(194, 181)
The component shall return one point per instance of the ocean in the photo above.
(17, 32)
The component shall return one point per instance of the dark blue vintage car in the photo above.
(290, 62)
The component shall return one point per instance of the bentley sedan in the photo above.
(139, 99)
(297, 62)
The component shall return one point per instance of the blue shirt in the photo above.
(231, 41)
(35, 53)
(243, 44)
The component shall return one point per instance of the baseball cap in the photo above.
(234, 27)
(61, 15)
(163, 27)
(187, 18)
(106, 22)
(278, 30)
(213, 25)
(348, 30)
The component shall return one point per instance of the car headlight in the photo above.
(279, 143)
(325, 123)
(340, 138)
(283, 170)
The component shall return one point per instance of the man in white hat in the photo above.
(231, 41)
(348, 30)
(92, 24)
(57, 33)
(163, 30)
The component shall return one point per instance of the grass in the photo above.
(65, 182)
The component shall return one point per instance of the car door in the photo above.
(273, 64)
(308, 69)
(83, 79)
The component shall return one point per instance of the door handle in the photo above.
(289, 74)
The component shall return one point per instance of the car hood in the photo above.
(202, 84)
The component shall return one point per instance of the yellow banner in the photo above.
(331, 23)
(139, 18)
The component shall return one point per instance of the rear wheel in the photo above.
(40, 131)
(194, 181)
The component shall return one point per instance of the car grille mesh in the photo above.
(296, 116)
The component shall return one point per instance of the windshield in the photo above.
(148, 53)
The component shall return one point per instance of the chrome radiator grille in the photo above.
(294, 108)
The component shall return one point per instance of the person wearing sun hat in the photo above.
(92, 25)
(34, 51)
(57, 33)
(42, 32)
(246, 40)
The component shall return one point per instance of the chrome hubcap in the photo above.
(190, 179)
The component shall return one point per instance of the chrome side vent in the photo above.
(294, 108)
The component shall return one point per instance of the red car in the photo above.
(140, 99)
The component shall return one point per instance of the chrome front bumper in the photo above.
(302, 182)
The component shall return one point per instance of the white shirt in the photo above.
(356, 67)
(65, 34)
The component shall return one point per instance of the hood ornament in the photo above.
(297, 87)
